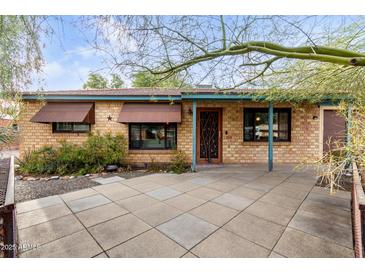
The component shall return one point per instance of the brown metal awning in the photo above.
(150, 113)
(66, 113)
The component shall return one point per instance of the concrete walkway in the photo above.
(230, 211)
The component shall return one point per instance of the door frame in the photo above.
(220, 146)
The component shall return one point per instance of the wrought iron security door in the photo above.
(209, 136)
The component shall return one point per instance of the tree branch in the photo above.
(224, 38)
(317, 53)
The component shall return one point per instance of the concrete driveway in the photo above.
(229, 211)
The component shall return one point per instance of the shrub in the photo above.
(92, 156)
(69, 159)
(42, 161)
(154, 166)
(179, 163)
(99, 151)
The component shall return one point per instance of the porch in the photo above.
(219, 211)
(262, 131)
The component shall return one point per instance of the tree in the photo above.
(229, 51)
(147, 79)
(97, 81)
(21, 58)
(116, 82)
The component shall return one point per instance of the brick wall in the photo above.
(304, 136)
(36, 135)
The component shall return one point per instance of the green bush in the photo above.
(179, 163)
(42, 161)
(92, 156)
(69, 159)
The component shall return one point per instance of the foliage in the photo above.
(100, 150)
(228, 51)
(179, 163)
(20, 51)
(92, 156)
(21, 57)
(116, 82)
(144, 79)
(338, 161)
(97, 81)
(41, 161)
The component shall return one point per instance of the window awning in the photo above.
(66, 113)
(150, 113)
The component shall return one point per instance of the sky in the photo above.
(68, 58)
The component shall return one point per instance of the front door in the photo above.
(334, 130)
(209, 135)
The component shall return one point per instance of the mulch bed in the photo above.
(29, 190)
(4, 173)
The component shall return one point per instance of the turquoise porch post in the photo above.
(193, 162)
(271, 137)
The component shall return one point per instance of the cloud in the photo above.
(85, 52)
(54, 70)
(81, 71)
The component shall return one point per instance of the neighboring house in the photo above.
(209, 125)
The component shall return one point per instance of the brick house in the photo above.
(210, 126)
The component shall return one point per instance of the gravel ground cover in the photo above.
(39, 188)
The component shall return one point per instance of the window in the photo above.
(256, 125)
(152, 136)
(71, 127)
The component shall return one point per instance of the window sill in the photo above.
(70, 132)
(151, 151)
(248, 143)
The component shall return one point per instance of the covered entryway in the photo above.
(209, 135)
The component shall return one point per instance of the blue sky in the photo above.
(68, 58)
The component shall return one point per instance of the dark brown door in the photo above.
(209, 135)
(334, 130)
